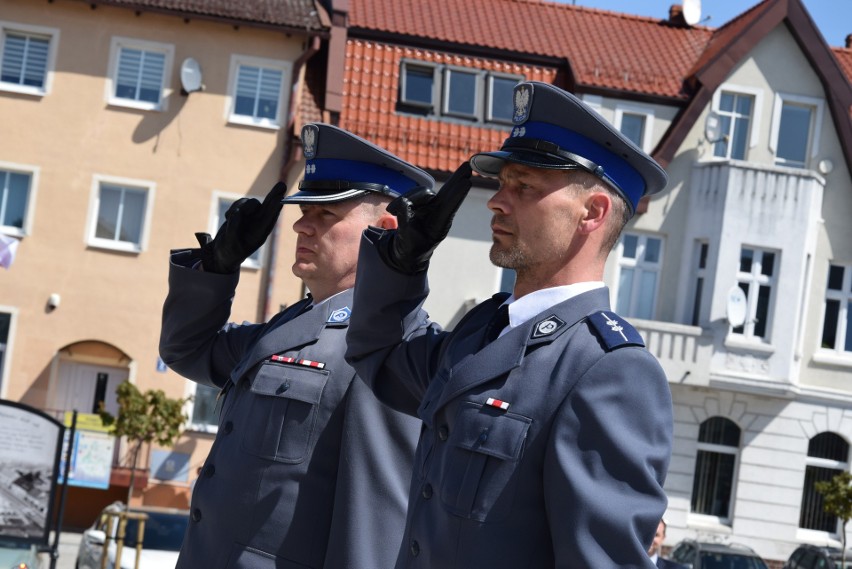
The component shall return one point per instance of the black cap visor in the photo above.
(332, 191)
(490, 163)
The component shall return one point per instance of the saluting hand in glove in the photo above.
(248, 223)
(424, 219)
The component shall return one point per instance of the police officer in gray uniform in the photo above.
(308, 468)
(547, 436)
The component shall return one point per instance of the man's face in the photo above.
(535, 217)
(658, 539)
(327, 242)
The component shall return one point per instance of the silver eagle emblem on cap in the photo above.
(523, 101)
(310, 134)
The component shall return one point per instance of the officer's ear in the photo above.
(598, 206)
(387, 221)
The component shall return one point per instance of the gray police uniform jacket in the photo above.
(308, 468)
(545, 448)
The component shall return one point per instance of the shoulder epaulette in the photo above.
(614, 331)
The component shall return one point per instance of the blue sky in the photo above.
(833, 17)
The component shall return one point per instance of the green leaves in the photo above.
(146, 417)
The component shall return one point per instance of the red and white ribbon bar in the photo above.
(497, 403)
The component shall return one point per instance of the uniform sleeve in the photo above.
(377, 451)
(196, 340)
(390, 342)
(606, 462)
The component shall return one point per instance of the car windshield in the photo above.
(730, 561)
(162, 531)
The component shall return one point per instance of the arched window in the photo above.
(712, 487)
(828, 455)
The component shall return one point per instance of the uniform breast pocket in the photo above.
(283, 413)
(479, 477)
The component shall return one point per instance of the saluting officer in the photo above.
(547, 446)
(308, 468)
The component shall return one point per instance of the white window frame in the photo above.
(757, 95)
(94, 209)
(119, 43)
(33, 172)
(755, 280)
(283, 110)
(489, 96)
(839, 466)
(815, 131)
(255, 261)
(709, 519)
(648, 133)
(189, 411)
(52, 35)
(7, 349)
(478, 91)
(837, 355)
(639, 266)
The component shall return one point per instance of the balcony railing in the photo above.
(683, 351)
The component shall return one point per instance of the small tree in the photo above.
(145, 418)
(837, 501)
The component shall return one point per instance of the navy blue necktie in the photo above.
(499, 321)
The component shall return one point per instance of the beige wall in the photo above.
(186, 152)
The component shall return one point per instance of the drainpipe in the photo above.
(290, 157)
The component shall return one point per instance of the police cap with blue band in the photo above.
(555, 130)
(340, 166)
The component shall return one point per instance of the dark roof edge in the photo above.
(286, 29)
(454, 47)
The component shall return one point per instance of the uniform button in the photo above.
(228, 427)
(443, 432)
(209, 470)
(196, 515)
(283, 387)
(483, 436)
(427, 491)
(415, 548)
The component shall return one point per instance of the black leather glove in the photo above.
(247, 225)
(424, 219)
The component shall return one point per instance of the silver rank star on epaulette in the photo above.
(614, 331)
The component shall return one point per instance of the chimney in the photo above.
(676, 17)
(849, 41)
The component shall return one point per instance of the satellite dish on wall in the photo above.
(713, 127)
(735, 308)
(190, 76)
(692, 11)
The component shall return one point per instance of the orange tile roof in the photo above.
(604, 49)
(844, 57)
(370, 99)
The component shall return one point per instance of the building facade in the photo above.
(127, 127)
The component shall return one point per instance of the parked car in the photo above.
(708, 555)
(818, 557)
(161, 540)
(16, 555)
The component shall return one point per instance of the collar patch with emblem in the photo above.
(340, 315)
(547, 327)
